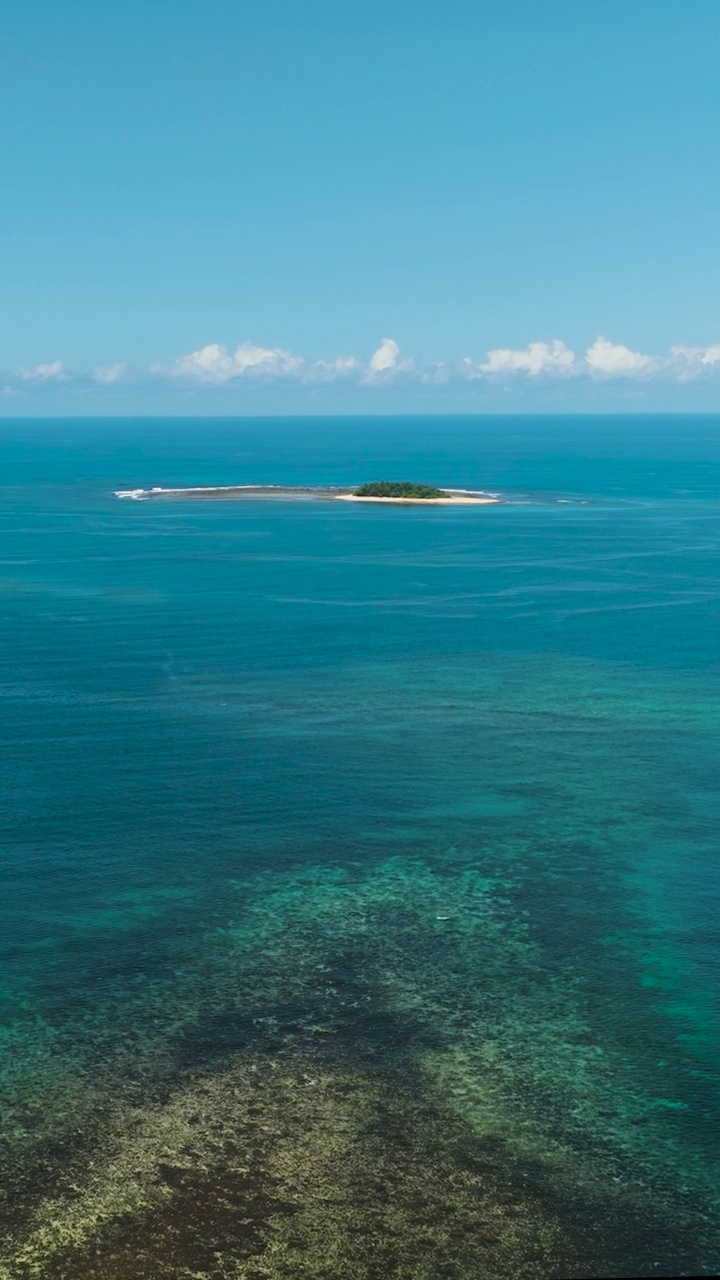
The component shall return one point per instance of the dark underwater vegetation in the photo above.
(360, 884)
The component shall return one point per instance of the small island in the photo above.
(398, 491)
(406, 491)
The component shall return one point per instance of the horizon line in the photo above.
(365, 417)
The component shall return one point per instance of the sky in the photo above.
(322, 207)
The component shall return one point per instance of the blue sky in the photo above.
(326, 207)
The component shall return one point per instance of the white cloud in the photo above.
(330, 370)
(538, 357)
(603, 359)
(613, 360)
(210, 364)
(386, 360)
(107, 374)
(53, 372)
(214, 363)
(696, 359)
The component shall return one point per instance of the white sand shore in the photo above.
(420, 502)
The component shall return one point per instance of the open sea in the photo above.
(360, 866)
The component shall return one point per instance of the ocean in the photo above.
(360, 878)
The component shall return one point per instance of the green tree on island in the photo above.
(398, 489)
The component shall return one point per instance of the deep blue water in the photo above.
(417, 805)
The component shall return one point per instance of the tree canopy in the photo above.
(398, 489)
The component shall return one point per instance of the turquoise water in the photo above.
(360, 876)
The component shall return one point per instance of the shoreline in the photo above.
(421, 502)
(456, 497)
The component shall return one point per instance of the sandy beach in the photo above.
(420, 502)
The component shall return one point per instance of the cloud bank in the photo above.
(214, 363)
(53, 372)
(217, 365)
(538, 357)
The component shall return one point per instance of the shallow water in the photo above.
(360, 880)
